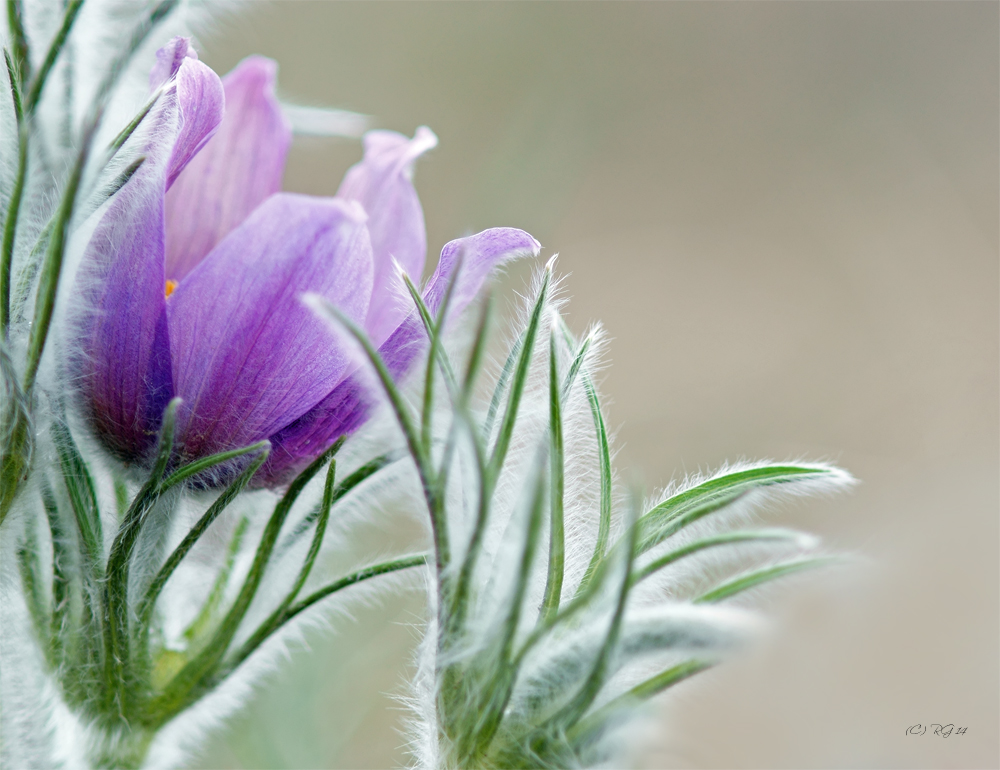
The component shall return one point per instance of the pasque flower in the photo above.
(194, 276)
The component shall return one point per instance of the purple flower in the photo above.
(194, 276)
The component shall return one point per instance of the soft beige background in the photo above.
(786, 214)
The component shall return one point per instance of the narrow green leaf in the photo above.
(478, 351)
(117, 655)
(122, 179)
(55, 47)
(578, 705)
(194, 534)
(588, 729)
(362, 474)
(10, 226)
(61, 570)
(196, 677)
(410, 433)
(356, 577)
(82, 498)
(493, 700)
(726, 538)
(278, 615)
(125, 133)
(345, 582)
(688, 506)
(31, 581)
(506, 429)
(574, 369)
(200, 624)
(604, 457)
(212, 461)
(14, 79)
(757, 577)
(501, 387)
(557, 535)
(52, 266)
(22, 53)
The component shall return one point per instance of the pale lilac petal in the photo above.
(248, 356)
(169, 59)
(200, 104)
(237, 170)
(382, 184)
(348, 405)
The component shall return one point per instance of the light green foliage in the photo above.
(530, 663)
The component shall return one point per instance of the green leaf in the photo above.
(506, 429)
(686, 507)
(62, 563)
(82, 498)
(201, 624)
(212, 461)
(354, 578)
(55, 47)
(22, 55)
(557, 534)
(117, 653)
(199, 674)
(362, 474)
(578, 705)
(194, 534)
(590, 728)
(31, 582)
(502, 380)
(48, 284)
(413, 440)
(757, 577)
(604, 457)
(726, 538)
(483, 697)
(126, 132)
(13, 208)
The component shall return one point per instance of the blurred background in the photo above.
(786, 215)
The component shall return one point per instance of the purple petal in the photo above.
(382, 183)
(292, 448)
(248, 356)
(198, 92)
(123, 346)
(473, 258)
(169, 59)
(124, 355)
(237, 170)
(348, 405)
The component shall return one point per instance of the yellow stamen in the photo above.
(171, 285)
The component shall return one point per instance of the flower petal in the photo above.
(122, 351)
(347, 407)
(248, 356)
(473, 258)
(382, 183)
(236, 171)
(169, 59)
(200, 101)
